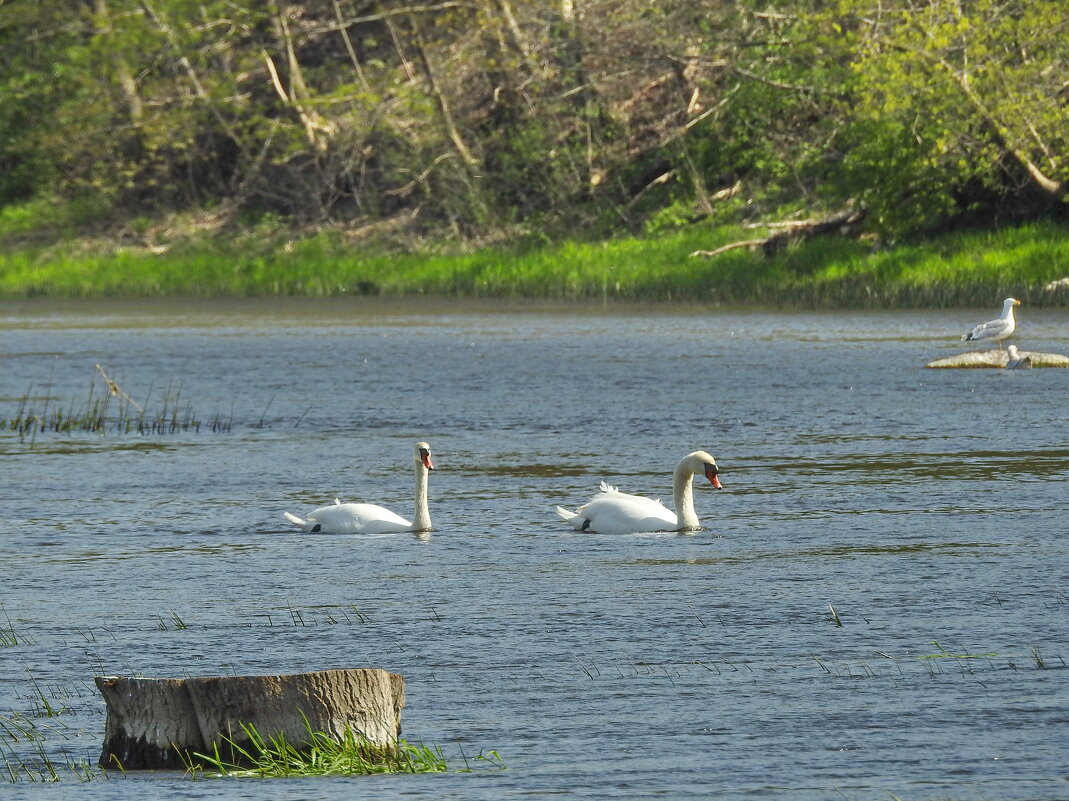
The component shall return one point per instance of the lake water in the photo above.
(928, 507)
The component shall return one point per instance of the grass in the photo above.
(964, 268)
(254, 755)
(107, 409)
(24, 756)
(9, 636)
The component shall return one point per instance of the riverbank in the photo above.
(959, 269)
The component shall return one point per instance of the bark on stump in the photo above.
(151, 721)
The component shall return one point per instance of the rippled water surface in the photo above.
(928, 507)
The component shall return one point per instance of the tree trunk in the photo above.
(153, 723)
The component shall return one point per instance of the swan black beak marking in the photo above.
(712, 473)
(425, 457)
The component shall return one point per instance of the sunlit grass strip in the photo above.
(321, 755)
(963, 268)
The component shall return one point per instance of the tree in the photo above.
(960, 106)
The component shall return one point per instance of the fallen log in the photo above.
(1001, 359)
(843, 222)
(158, 723)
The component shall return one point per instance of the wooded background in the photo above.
(467, 117)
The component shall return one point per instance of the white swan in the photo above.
(370, 518)
(997, 329)
(615, 512)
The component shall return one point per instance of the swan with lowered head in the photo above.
(615, 512)
(997, 329)
(370, 518)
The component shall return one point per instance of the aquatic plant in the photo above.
(254, 755)
(37, 765)
(109, 411)
(176, 621)
(835, 616)
(9, 638)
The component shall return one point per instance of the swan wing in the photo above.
(358, 518)
(618, 512)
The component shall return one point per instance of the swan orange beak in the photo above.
(712, 473)
(425, 457)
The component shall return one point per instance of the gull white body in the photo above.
(615, 512)
(370, 518)
(998, 329)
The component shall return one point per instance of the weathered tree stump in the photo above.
(151, 723)
(1001, 358)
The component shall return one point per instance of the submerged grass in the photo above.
(964, 268)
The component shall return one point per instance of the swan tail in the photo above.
(578, 522)
(307, 526)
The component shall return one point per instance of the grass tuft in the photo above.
(254, 755)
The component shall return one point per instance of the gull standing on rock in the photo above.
(997, 329)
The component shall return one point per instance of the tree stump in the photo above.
(152, 723)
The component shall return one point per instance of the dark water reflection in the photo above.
(927, 507)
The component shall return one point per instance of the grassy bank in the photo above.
(973, 268)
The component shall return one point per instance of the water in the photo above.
(927, 507)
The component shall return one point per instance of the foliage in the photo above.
(575, 118)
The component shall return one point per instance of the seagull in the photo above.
(997, 329)
(1016, 360)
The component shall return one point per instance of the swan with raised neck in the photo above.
(615, 512)
(370, 518)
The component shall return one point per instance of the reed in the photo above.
(1037, 658)
(42, 706)
(251, 754)
(24, 757)
(9, 637)
(177, 622)
(835, 616)
(108, 410)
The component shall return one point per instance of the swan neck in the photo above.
(683, 496)
(422, 521)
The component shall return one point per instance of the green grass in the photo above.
(9, 636)
(254, 755)
(966, 268)
(106, 410)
